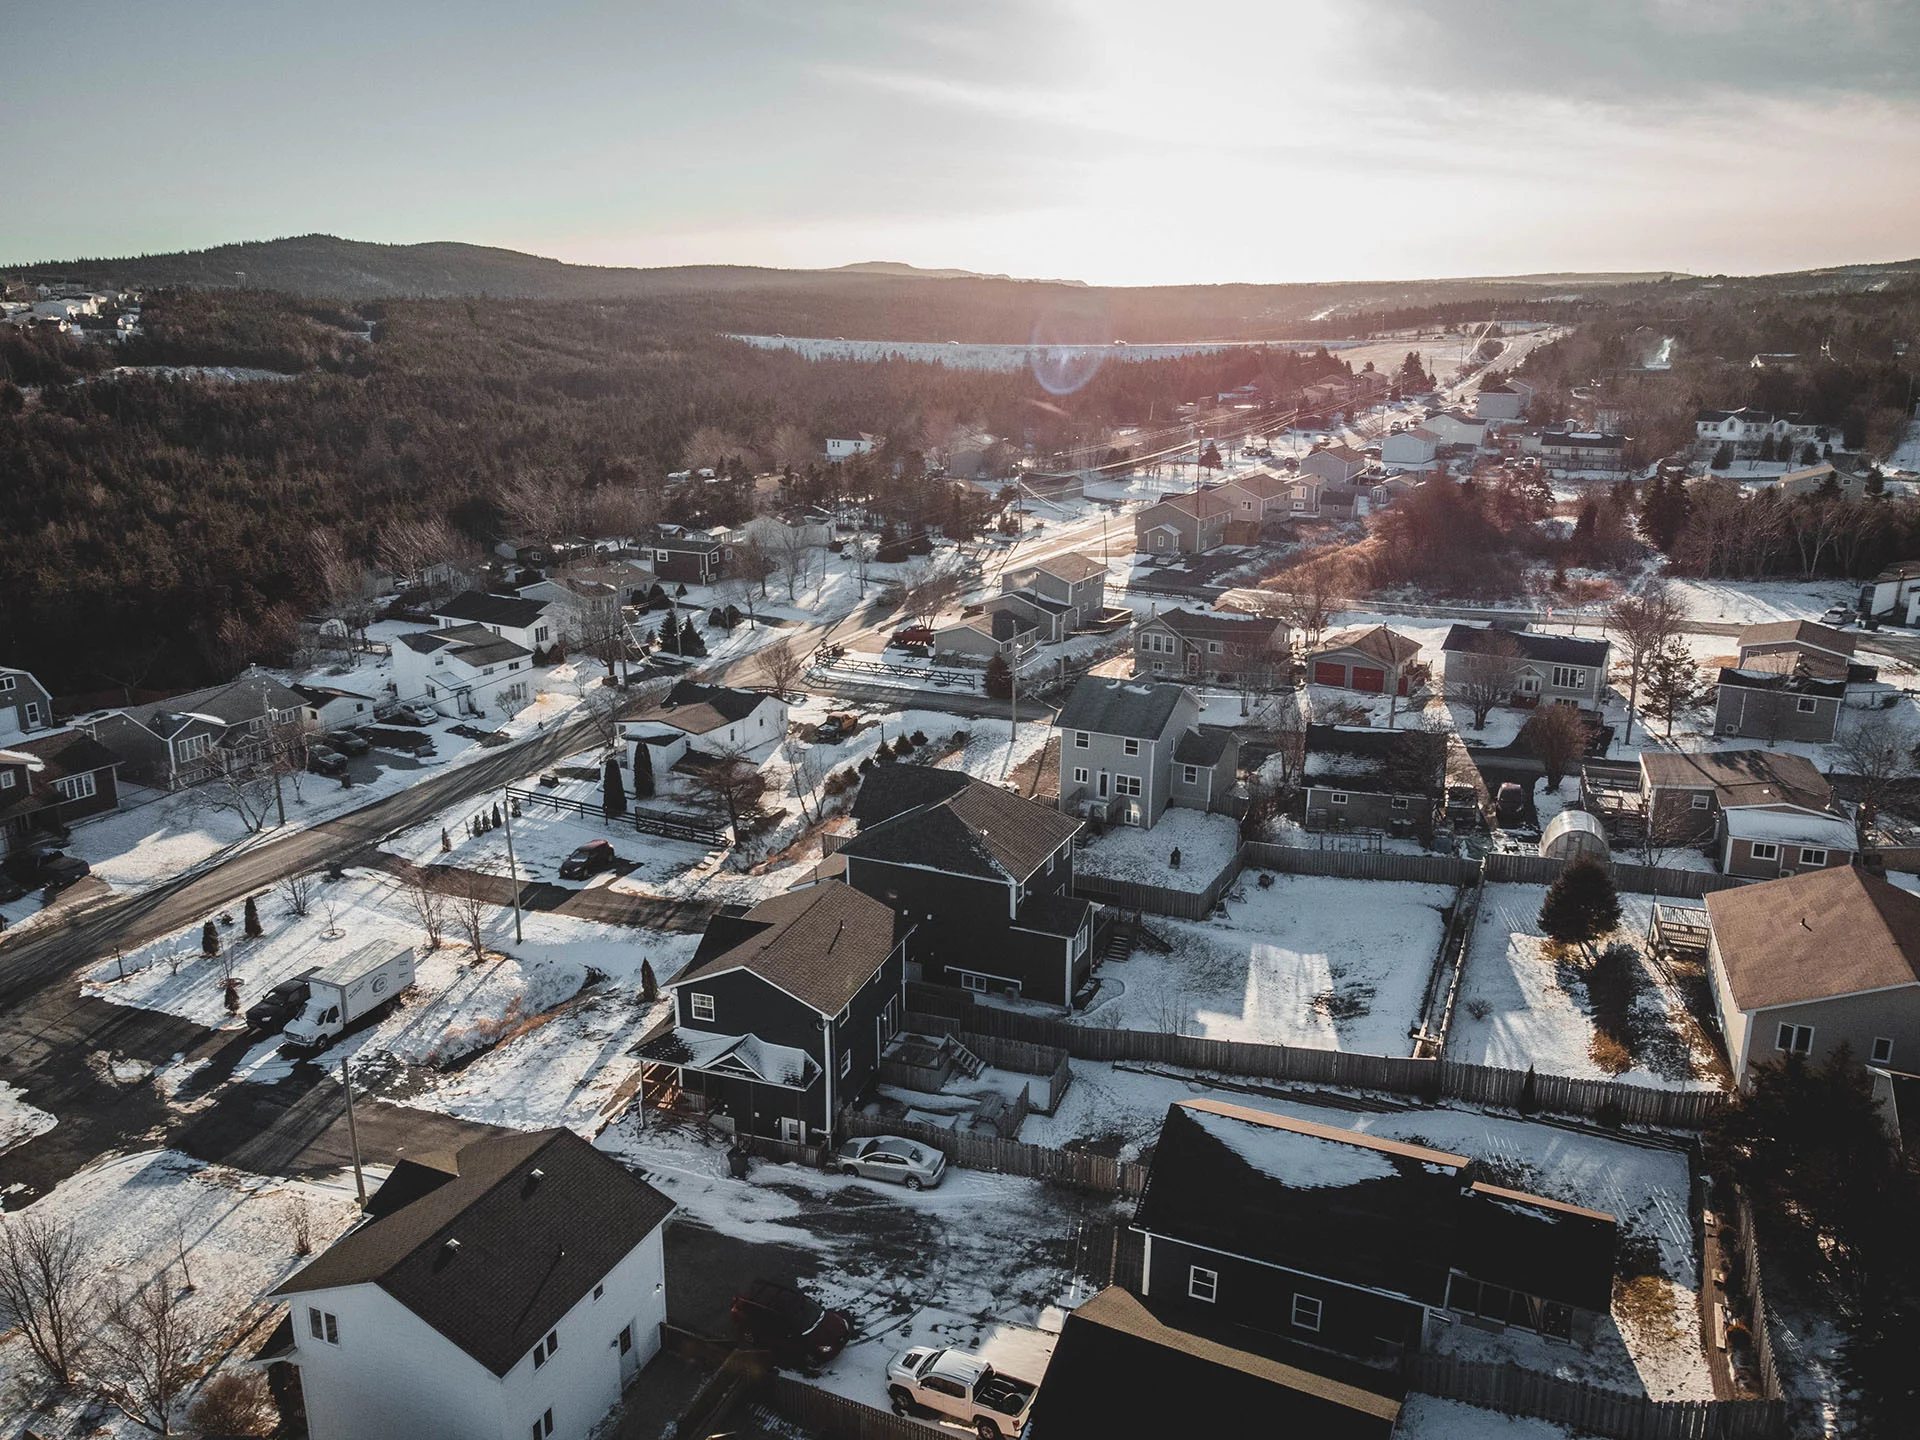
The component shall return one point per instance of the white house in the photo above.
(463, 670)
(582, 611)
(1451, 429)
(528, 622)
(330, 708)
(1503, 399)
(861, 444)
(717, 717)
(513, 1289)
(1410, 449)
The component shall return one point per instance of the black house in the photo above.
(1200, 1379)
(980, 877)
(1355, 1244)
(780, 1017)
(1367, 777)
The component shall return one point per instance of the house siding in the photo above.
(1366, 810)
(1854, 1021)
(745, 1004)
(1107, 753)
(1774, 715)
(1739, 859)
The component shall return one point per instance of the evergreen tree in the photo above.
(1581, 905)
(209, 939)
(252, 923)
(1529, 1100)
(613, 791)
(642, 771)
(690, 641)
(1723, 457)
(1672, 685)
(649, 983)
(999, 679)
(1210, 457)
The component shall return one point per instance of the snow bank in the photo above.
(19, 1121)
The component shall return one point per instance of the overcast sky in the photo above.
(1105, 140)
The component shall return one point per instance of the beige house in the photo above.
(1189, 524)
(1804, 965)
(1765, 813)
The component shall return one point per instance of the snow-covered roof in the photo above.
(734, 1055)
(1794, 826)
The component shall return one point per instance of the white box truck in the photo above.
(346, 991)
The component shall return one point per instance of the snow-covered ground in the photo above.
(19, 1121)
(1423, 1417)
(1518, 1008)
(1207, 845)
(136, 1214)
(1336, 964)
(1757, 602)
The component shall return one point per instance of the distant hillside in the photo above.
(900, 267)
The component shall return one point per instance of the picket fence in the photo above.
(1512, 1390)
(972, 1151)
(1427, 1080)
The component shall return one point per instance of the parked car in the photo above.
(830, 729)
(405, 715)
(589, 860)
(47, 870)
(959, 1386)
(348, 742)
(794, 1326)
(1838, 615)
(270, 1013)
(322, 761)
(890, 1157)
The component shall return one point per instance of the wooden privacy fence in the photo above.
(1426, 1080)
(1358, 864)
(971, 1151)
(1512, 1390)
(1640, 879)
(1763, 1357)
(834, 1417)
(1157, 899)
(1023, 1057)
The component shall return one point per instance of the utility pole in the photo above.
(353, 1133)
(273, 754)
(513, 873)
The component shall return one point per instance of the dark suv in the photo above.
(589, 860)
(48, 870)
(795, 1327)
(270, 1013)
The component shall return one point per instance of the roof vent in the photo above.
(452, 1245)
(537, 1173)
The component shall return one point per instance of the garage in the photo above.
(1327, 673)
(1374, 682)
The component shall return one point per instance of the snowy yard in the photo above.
(1207, 845)
(1517, 1007)
(1756, 602)
(19, 1121)
(136, 1214)
(1334, 964)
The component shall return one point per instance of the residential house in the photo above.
(982, 880)
(330, 708)
(1129, 749)
(1334, 464)
(463, 670)
(780, 1017)
(1455, 430)
(51, 779)
(1812, 479)
(25, 704)
(1411, 449)
(185, 739)
(1894, 591)
(783, 534)
(1548, 669)
(530, 624)
(1370, 658)
(1303, 495)
(1763, 813)
(1502, 399)
(1072, 586)
(1357, 1244)
(1806, 964)
(1255, 499)
(1772, 706)
(1365, 778)
(975, 640)
(1189, 524)
(1246, 650)
(1745, 431)
(582, 612)
(515, 1287)
(861, 444)
(685, 556)
(1568, 450)
(718, 717)
(1207, 1379)
(1790, 646)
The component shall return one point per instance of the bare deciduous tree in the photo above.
(239, 789)
(147, 1343)
(472, 909)
(298, 1212)
(781, 664)
(797, 553)
(1483, 678)
(1306, 596)
(297, 891)
(1557, 735)
(427, 551)
(429, 906)
(46, 1291)
(930, 590)
(236, 1402)
(1878, 753)
(1646, 624)
(860, 550)
(732, 783)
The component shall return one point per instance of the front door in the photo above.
(1103, 784)
(629, 1357)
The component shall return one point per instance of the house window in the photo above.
(1190, 774)
(1079, 739)
(1306, 1312)
(1882, 1050)
(544, 1351)
(540, 635)
(323, 1325)
(1805, 705)
(194, 746)
(846, 1063)
(1795, 1039)
(1700, 802)
(702, 1006)
(6, 683)
(1338, 797)
(1203, 1284)
(76, 787)
(970, 981)
(1080, 775)
(1400, 802)
(543, 1427)
(1132, 747)
(598, 1291)
(1213, 647)
(1812, 857)
(6, 779)
(1763, 851)
(1126, 784)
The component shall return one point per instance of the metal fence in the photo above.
(1513, 1390)
(972, 1151)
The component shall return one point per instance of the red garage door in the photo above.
(1373, 681)
(1327, 673)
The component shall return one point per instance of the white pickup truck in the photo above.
(349, 989)
(959, 1386)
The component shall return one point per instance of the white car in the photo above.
(959, 1386)
(892, 1157)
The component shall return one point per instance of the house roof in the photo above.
(476, 607)
(1070, 567)
(1804, 633)
(1826, 933)
(979, 830)
(1788, 680)
(1755, 822)
(1201, 504)
(239, 700)
(318, 695)
(1344, 453)
(1357, 756)
(1202, 745)
(820, 945)
(701, 709)
(888, 790)
(1052, 914)
(1207, 1378)
(1234, 629)
(1741, 777)
(1376, 642)
(530, 1245)
(1133, 708)
(66, 752)
(1264, 484)
(1546, 649)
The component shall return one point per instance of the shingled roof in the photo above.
(540, 1218)
(1815, 936)
(476, 607)
(980, 830)
(1741, 777)
(819, 945)
(1119, 707)
(700, 709)
(1377, 642)
(1254, 630)
(1547, 649)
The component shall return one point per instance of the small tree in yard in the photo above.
(999, 679)
(236, 1402)
(46, 1277)
(1557, 735)
(781, 664)
(1581, 905)
(643, 771)
(649, 983)
(1646, 623)
(252, 923)
(429, 905)
(613, 790)
(471, 907)
(1878, 753)
(690, 641)
(209, 939)
(732, 783)
(1483, 678)
(1672, 685)
(297, 891)
(147, 1343)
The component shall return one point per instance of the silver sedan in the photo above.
(889, 1157)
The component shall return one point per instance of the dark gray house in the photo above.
(185, 739)
(1770, 706)
(780, 1017)
(982, 879)
(1365, 778)
(1355, 1244)
(1202, 647)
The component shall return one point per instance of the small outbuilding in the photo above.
(1574, 835)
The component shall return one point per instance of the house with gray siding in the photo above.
(1072, 586)
(1770, 706)
(185, 739)
(1553, 669)
(25, 705)
(1128, 749)
(1809, 963)
(1189, 524)
(1370, 778)
(1209, 648)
